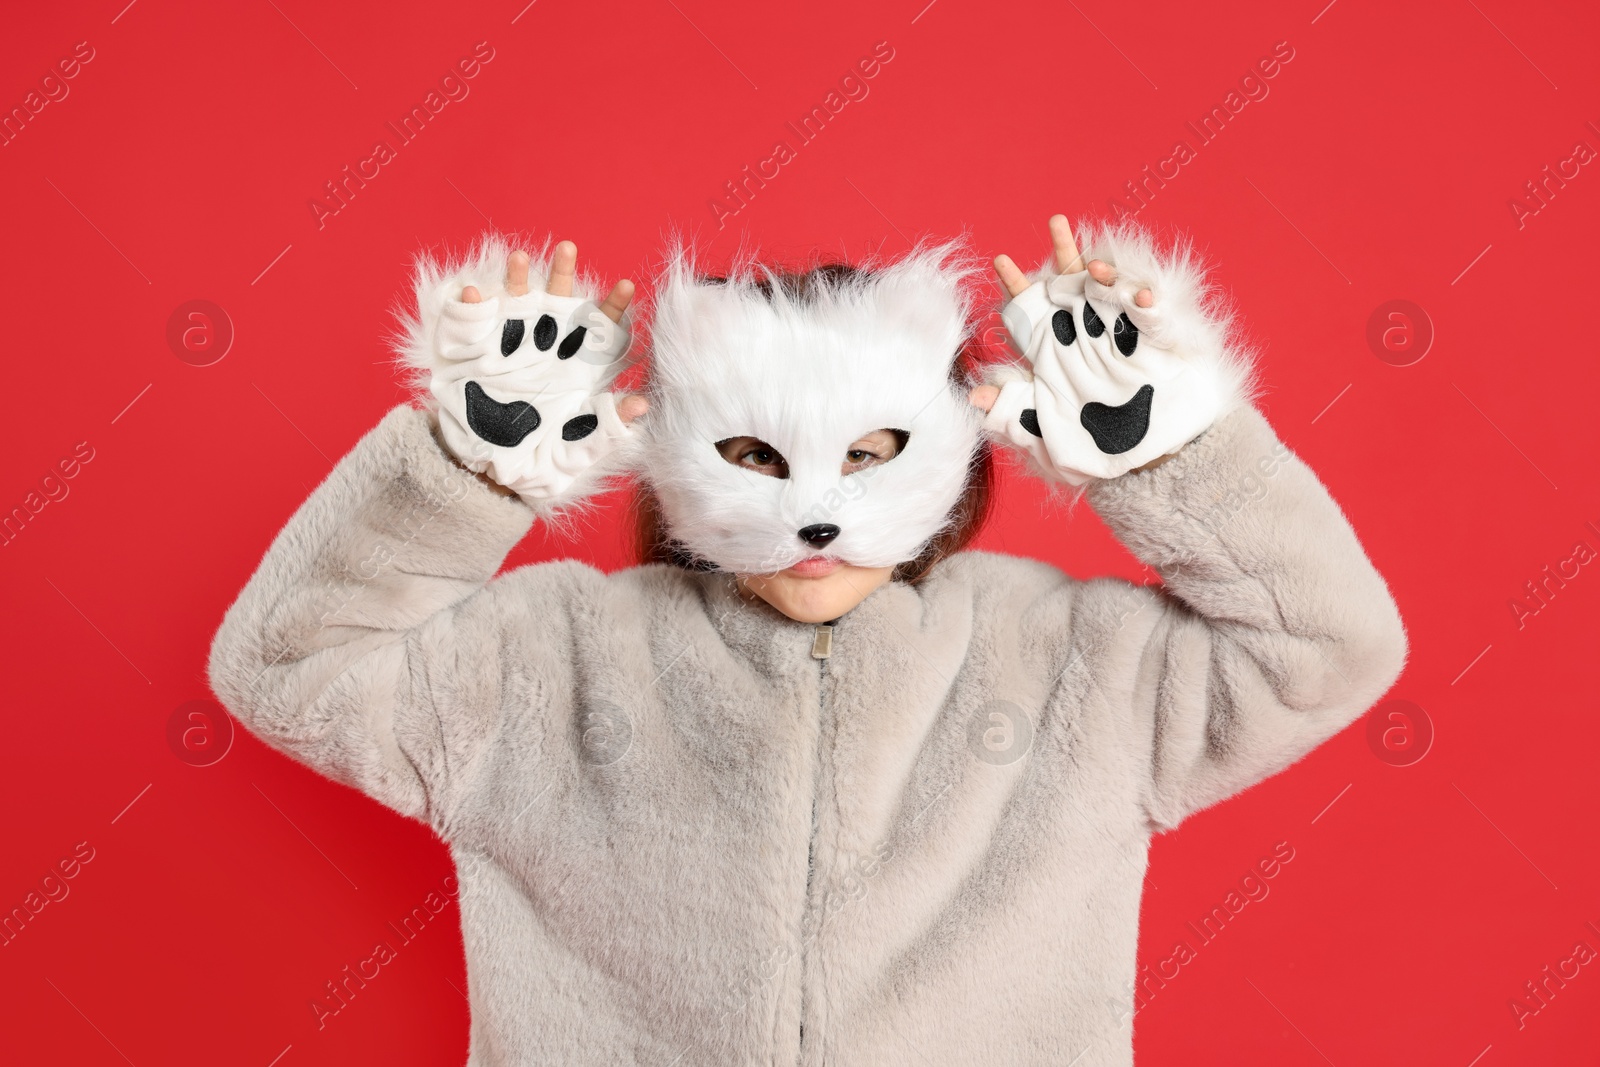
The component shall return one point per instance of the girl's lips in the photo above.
(814, 567)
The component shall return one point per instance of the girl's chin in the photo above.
(819, 598)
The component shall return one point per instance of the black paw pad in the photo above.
(1092, 322)
(571, 343)
(505, 425)
(578, 427)
(1061, 322)
(1119, 429)
(1125, 334)
(544, 333)
(1030, 421)
(511, 336)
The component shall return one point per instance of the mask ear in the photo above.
(688, 317)
(926, 298)
(672, 313)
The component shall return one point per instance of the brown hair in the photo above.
(653, 542)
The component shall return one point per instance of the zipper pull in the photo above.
(822, 643)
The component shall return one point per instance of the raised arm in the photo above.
(1272, 631)
(370, 644)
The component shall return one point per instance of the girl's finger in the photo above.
(517, 274)
(1068, 261)
(617, 302)
(470, 295)
(983, 397)
(1010, 276)
(631, 407)
(1106, 274)
(563, 269)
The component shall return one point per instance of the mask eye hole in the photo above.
(754, 454)
(870, 450)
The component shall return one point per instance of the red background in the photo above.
(1381, 166)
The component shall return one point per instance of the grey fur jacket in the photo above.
(689, 830)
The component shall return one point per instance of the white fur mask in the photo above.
(809, 376)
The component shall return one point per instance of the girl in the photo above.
(813, 783)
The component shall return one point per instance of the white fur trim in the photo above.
(454, 348)
(1184, 354)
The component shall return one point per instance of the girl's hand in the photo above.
(519, 366)
(563, 270)
(1126, 366)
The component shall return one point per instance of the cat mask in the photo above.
(809, 370)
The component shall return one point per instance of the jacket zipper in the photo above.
(821, 649)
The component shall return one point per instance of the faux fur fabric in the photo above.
(809, 377)
(682, 839)
(1110, 386)
(518, 381)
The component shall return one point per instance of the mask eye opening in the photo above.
(852, 464)
(754, 454)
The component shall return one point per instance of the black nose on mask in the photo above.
(819, 534)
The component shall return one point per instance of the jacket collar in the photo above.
(925, 622)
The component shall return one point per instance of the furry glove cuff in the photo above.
(520, 382)
(1111, 385)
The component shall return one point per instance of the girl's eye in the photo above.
(885, 445)
(754, 454)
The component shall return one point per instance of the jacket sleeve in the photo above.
(369, 642)
(1271, 631)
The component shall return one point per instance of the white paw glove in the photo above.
(521, 385)
(1113, 385)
